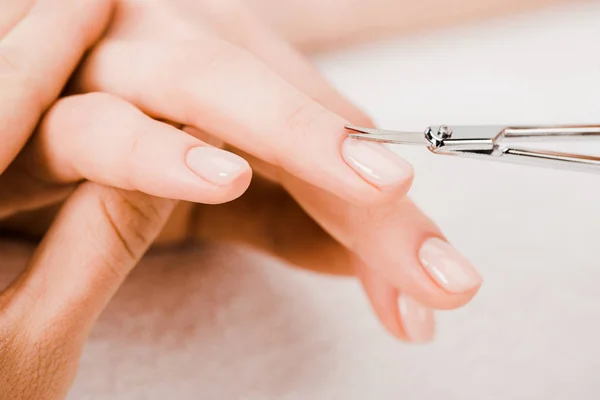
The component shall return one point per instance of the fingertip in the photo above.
(360, 172)
(216, 166)
(102, 138)
(451, 302)
(448, 268)
(383, 298)
(220, 194)
(417, 320)
(400, 314)
(217, 176)
(431, 295)
(375, 164)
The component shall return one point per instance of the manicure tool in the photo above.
(493, 143)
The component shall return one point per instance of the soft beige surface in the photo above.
(220, 323)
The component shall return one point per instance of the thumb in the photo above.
(46, 314)
(96, 240)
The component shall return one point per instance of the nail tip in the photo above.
(216, 166)
(448, 268)
(376, 164)
(403, 180)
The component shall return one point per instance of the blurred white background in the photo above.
(227, 324)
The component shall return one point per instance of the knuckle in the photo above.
(133, 220)
(91, 110)
(96, 100)
(94, 104)
(300, 117)
(215, 55)
(87, 114)
(134, 146)
(196, 74)
(126, 231)
(101, 107)
(9, 62)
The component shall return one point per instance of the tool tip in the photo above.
(358, 129)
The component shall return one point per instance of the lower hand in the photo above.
(101, 232)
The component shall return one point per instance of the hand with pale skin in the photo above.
(317, 200)
(314, 25)
(101, 231)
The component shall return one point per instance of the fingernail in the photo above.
(375, 163)
(417, 320)
(214, 165)
(448, 267)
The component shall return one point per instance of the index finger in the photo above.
(36, 59)
(227, 92)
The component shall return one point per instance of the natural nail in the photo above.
(417, 320)
(448, 267)
(375, 163)
(214, 165)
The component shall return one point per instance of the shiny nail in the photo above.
(448, 267)
(375, 163)
(417, 320)
(214, 165)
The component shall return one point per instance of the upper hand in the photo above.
(334, 207)
(319, 200)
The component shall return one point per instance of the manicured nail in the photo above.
(375, 163)
(214, 165)
(417, 320)
(448, 267)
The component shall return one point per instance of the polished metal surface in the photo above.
(492, 142)
(391, 137)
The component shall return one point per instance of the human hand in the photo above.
(317, 25)
(319, 201)
(95, 136)
(101, 232)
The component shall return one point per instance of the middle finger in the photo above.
(390, 238)
(397, 241)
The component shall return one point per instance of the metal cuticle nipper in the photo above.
(492, 142)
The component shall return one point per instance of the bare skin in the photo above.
(134, 168)
(315, 25)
